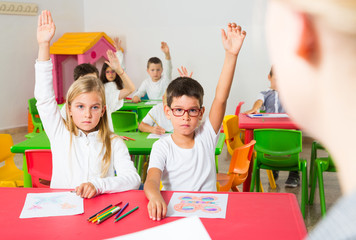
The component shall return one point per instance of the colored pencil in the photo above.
(103, 212)
(130, 138)
(108, 215)
(122, 209)
(126, 214)
(153, 119)
(99, 212)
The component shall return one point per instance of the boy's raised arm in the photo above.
(232, 41)
(45, 33)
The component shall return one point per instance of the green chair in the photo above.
(279, 149)
(36, 121)
(124, 121)
(319, 166)
(142, 112)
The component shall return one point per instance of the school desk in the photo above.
(130, 106)
(249, 124)
(248, 216)
(141, 146)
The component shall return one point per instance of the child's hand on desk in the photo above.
(158, 130)
(157, 208)
(86, 190)
(136, 99)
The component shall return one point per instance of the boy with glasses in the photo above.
(184, 161)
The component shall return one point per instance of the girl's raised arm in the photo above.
(45, 33)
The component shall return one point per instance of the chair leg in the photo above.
(258, 181)
(272, 182)
(140, 165)
(319, 167)
(312, 162)
(216, 164)
(261, 187)
(312, 180)
(304, 186)
(253, 177)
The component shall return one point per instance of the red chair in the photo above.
(39, 165)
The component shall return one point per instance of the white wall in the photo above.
(192, 30)
(19, 51)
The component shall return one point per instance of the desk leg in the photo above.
(27, 182)
(247, 183)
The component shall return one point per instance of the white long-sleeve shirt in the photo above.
(80, 161)
(155, 90)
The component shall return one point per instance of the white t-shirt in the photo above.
(187, 169)
(113, 103)
(157, 112)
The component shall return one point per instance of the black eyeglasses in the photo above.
(193, 112)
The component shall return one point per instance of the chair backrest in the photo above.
(142, 112)
(278, 147)
(232, 132)
(5, 146)
(238, 108)
(124, 121)
(34, 115)
(32, 106)
(39, 165)
(241, 157)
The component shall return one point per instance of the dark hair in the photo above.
(154, 60)
(117, 80)
(184, 86)
(84, 69)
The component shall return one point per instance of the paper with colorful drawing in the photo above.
(52, 204)
(202, 205)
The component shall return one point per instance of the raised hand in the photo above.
(117, 44)
(164, 48)
(233, 38)
(184, 72)
(113, 62)
(45, 27)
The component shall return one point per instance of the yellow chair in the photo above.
(10, 175)
(238, 170)
(233, 140)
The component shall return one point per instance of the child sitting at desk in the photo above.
(85, 154)
(269, 102)
(184, 161)
(156, 84)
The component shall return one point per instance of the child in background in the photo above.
(85, 153)
(117, 83)
(185, 161)
(269, 102)
(156, 84)
(157, 116)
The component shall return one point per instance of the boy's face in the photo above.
(185, 124)
(86, 111)
(155, 71)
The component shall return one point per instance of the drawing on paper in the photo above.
(200, 204)
(190, 204)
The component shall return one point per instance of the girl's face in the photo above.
(86, 111)
(110, 74)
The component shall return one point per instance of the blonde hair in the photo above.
(89, 84)
(338, 14)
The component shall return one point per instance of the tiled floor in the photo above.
(332, 189)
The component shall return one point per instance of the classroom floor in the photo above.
(332, 188)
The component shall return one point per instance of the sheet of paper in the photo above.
(152, 135)
(52, 204)
(186, 228)
(199, 204)
(266, 115)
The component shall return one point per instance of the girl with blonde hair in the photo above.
(86, 155)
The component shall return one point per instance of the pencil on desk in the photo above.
(129, 138)
(153, 119)
(118, 214)
(126, 214)
(108, 215)
(99, 212)
(109, 208)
